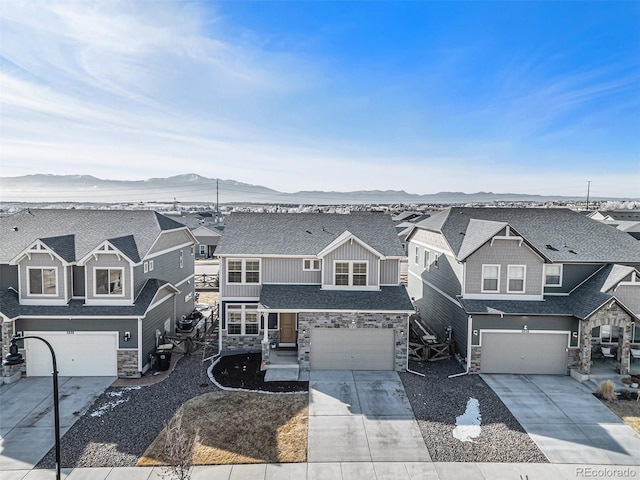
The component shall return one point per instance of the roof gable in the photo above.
(478, 233)
(344, 238)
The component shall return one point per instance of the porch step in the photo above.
(282, 373)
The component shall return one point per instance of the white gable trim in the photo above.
(105, 248)
(37, 247)
(206, 231)
(345, 237)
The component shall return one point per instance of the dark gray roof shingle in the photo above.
(572, 237)
(74, 233)
(305, 233)
(312, 297)
(11, 308)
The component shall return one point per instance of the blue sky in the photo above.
(526, 97)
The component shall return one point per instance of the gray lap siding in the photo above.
(155, 320)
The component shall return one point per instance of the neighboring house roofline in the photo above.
(184, 228)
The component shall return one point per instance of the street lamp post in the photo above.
(15, 358)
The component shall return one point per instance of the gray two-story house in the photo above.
(324, 285)
(526, 290)
(102, 286)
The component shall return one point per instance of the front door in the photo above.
(287, 329)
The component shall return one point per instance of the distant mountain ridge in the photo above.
(196, 188)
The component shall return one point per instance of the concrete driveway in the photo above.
(361, 416)
(566, 421)
(26, 416)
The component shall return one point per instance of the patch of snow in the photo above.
(468, 424)
(106, 407)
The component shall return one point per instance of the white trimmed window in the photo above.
(242, 320)
(490, 278)
(516, 278)
(427, 259)
(436, 260)
(146, 267)
(310, 264)
(109, 281)
(350, 274)
(42, 281)
(203, 249)
(416, 257)
(243, 271)
(181, 258)
(150, 265)
(553, 275)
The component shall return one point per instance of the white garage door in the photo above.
(87, 354)
(352, 349)
(542, 353)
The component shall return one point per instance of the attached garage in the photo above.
(352, 349)
(524, 353)
(77, 354)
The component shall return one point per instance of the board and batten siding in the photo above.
(351, 251)
(287, 270)
(504, 253)
(234, 290)
(390, 272)
(108, 260)
(43, 260)
(121, 325)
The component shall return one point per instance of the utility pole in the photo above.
(588, 189)
(217, 201)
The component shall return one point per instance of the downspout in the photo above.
(408, 369)
(469, 332)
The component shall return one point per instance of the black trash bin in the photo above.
(163, 356)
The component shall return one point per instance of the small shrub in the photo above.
(607, 391)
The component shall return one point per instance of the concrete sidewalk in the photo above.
(350, 471)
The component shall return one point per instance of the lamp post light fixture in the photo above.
(15, 358)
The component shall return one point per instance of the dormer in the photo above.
(43, 273)
(109, 273)
(350, 263)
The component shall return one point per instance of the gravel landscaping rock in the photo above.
(123, 422)
(437, 400)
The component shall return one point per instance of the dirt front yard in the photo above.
(241, 427)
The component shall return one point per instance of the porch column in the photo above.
(585, 348)
(624, 345)
(266, 348)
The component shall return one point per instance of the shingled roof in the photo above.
(72, 233)
(558, 234)
(305, 233)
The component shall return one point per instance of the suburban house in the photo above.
(102, 286)
(526, 290)
(326, 286)
(207, 227)
(626, 220)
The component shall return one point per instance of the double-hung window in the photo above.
(416, 258)
(243, 271)
(181, 258)
(490, 278)
(350, 274)
(43, 281)
(203, 249)
(516, 278)
(427, 259)
(242, 320)
(109, 281)
(553, 275)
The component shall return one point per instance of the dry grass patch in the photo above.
(627, 410)
(241, 427)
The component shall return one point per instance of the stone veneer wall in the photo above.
(128, 364)
(8, 330)
(246, 343)
(609, 314)
(309, 320)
